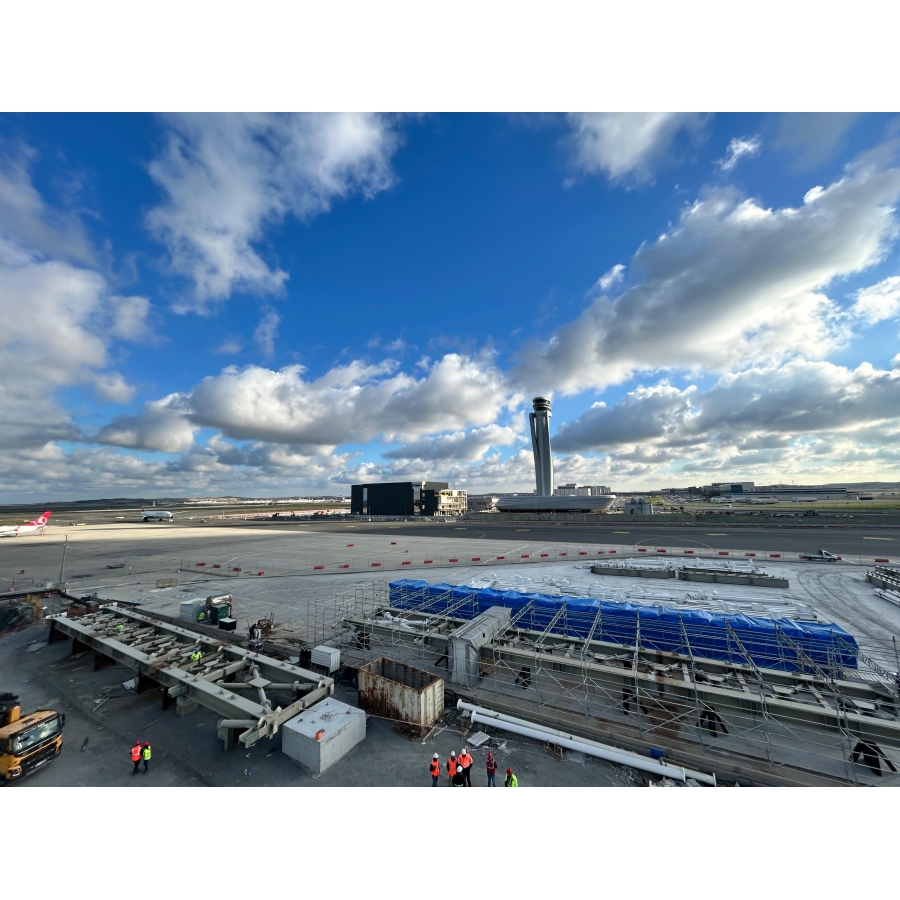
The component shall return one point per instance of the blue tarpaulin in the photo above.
(771, 643)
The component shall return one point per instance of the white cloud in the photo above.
(879, 302)
(813, 137)
(26, 219)
(349, 404)
(163, 425)
(613, 277)
(737, 149)
(228, 177)
(230, 345)
(463, 446)
(630, 146)
(266, 332)
(731, 284)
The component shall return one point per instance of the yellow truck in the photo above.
(27, 743)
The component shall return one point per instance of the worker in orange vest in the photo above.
(451, 766)
(136, 752)
(435, 770)
(465, 760)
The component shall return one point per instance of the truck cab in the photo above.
(27, 743)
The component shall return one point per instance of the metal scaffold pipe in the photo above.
(582, 745)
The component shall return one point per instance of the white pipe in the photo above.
(592, 748)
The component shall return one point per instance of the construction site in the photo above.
(293, 657)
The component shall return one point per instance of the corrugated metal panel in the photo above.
(396, 691)
(329, 658)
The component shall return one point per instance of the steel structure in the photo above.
(817, 724)
(195, 668)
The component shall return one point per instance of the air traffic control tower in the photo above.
(540, 442)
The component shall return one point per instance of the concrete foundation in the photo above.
(321, 736)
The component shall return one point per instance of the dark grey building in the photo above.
(396, 498)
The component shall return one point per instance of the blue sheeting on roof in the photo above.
(770, 643)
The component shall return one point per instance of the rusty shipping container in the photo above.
(397, 691)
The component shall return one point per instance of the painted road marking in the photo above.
(716, 534)
(621, 532)
(459, 529)
(867, 538)
(523, 529)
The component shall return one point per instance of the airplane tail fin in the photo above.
(42, 520)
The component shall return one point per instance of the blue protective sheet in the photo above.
(771, 643)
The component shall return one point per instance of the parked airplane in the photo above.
(156, 515)
(39, 524)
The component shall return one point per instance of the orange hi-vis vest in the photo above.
(451, 765)
(465, 760)
(135, 752)
(435, 767)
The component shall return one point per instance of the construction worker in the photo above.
(196, 655)
(465, 760)
(511, 780)
(435, 770)
(451, 767)
(145, 755)
(491, 765)
(201, 618)
(136, 756)
(459, 777)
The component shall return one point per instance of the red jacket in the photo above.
(491, 766)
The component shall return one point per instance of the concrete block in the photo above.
(184, 705)
(339, 727)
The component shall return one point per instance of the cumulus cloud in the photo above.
(737, 149)
(348, 404)
(226, 178)
(611, 278)
(796, 414)
(879, 302)
(813, 137)
(464, 446)
(162, 425)
(630, 146)
(731, 284)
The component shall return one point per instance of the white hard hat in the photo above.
(435, 756)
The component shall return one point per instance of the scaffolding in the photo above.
(793, 717)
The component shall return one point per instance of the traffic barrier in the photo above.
(545, 554)
(452, 559)
(428, 562)
(749, 554)
(393, 543)
(376, 564)
(349, 545)
(562, 554)
(582, 552)
(525, 555)
(642, 549)
(476, 559)
(236, 569)
(688, 551)
(217, 565)
(877, 559)
(724, 552)
(406, 562)
(501, 557)
(660, 551)
(318, 567)
(200, 564)
(260, 573)
(774, 556)
(611, 551)
(343, 565)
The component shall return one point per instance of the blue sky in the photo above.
(282, 305)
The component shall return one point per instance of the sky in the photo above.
(284, 305)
